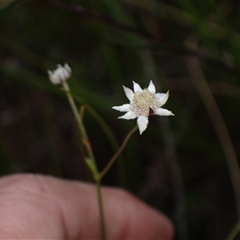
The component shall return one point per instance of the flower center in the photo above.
(144, 103)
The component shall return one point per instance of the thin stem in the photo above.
(115, 156)
(101, 212)
(82, 130)
(234, 231)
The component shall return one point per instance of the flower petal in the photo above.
(53, 78)
(142, 122)
(68, 69)
(151, 87)
(162, 97)
(60, 75)
(122, 108)
(163, 112)
(136, 87)
(129, 93)
(128, 115)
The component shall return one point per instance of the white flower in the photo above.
(143, 103)
(60, 75)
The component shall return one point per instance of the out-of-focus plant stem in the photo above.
(234, 231)
(203, 88)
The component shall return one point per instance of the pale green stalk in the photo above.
(79, 122)
(102, 220)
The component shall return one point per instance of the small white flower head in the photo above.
(60, 75)
(143, 103)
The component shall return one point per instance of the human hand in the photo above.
(43, 207)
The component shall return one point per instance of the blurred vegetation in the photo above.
(184, 165)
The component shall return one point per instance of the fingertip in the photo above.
(70, 209)
(136, 220)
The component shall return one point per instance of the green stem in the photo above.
(115, 156)
(234, 232)
(82, 130)
(101, 212)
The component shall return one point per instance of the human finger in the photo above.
(42, 207)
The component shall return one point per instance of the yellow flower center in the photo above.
(144, 103)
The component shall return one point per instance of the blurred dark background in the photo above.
(186, 166)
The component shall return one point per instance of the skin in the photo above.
(43, 207)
